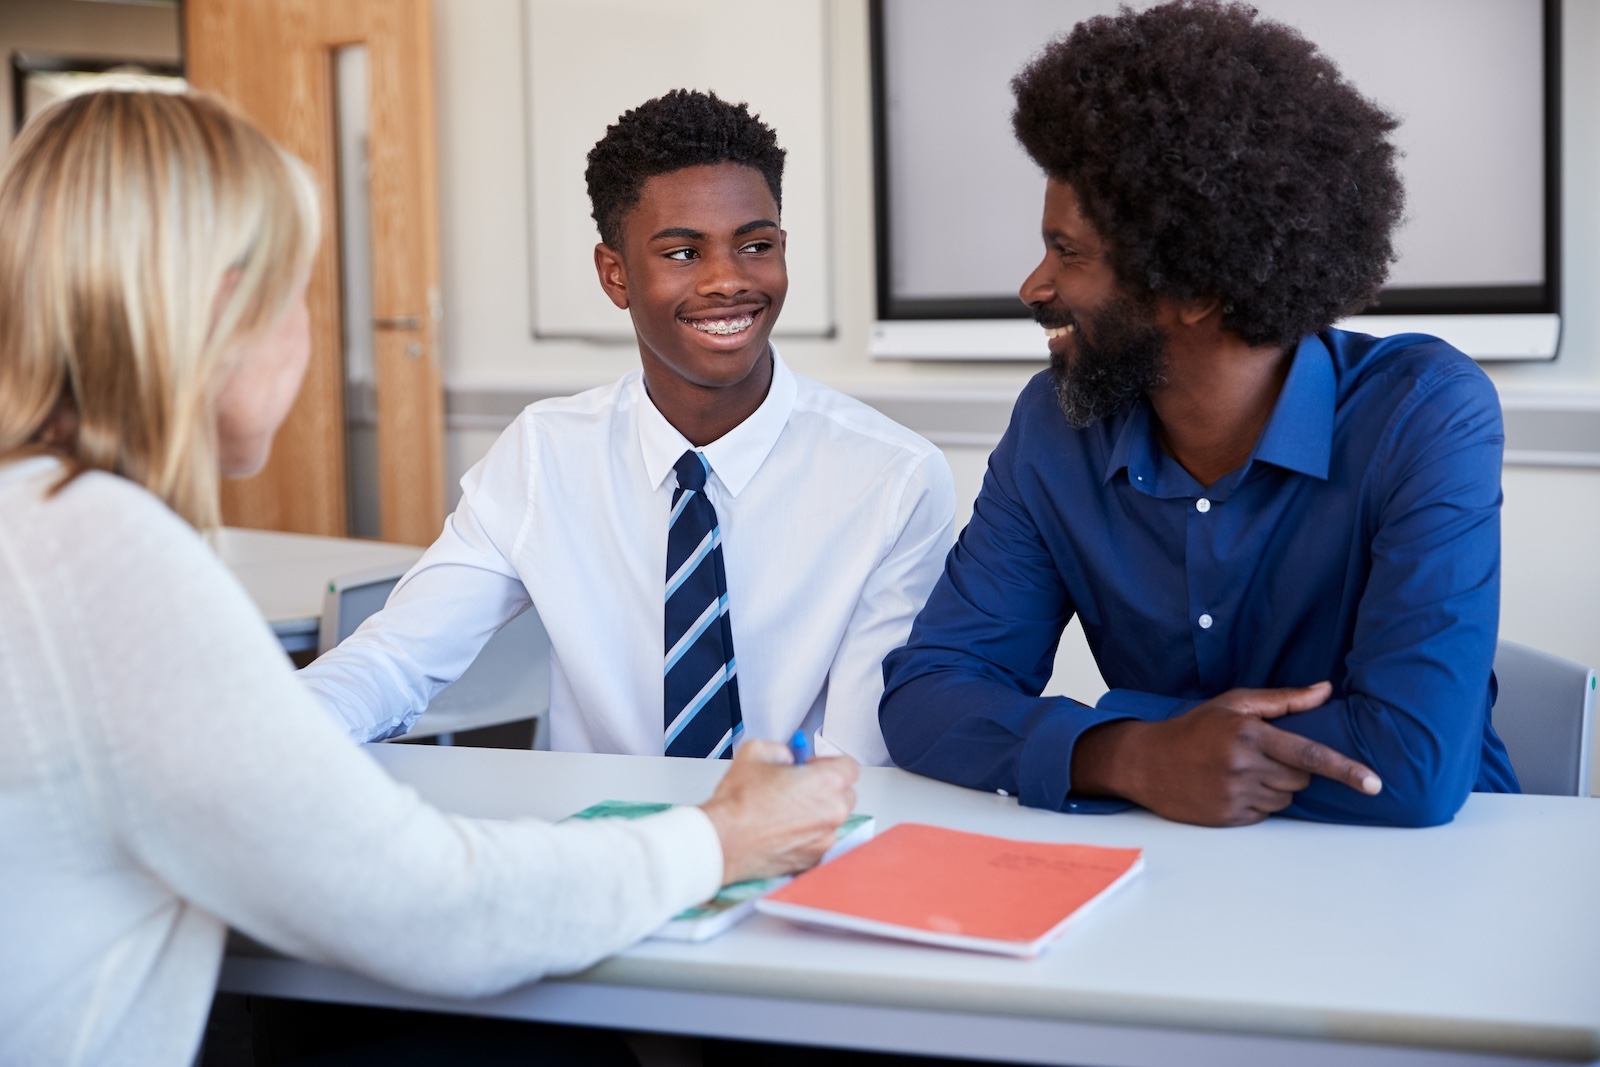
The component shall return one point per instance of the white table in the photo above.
(286, 574)
(1284, 943)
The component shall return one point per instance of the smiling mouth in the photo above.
(723, 327)
(1054, 332)
(729, 324)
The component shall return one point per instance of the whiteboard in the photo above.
(588, 61)
(1466, 77)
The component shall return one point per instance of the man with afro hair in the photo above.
(719, 548)
(1282, 538)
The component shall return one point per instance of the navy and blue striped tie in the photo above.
(701, 684)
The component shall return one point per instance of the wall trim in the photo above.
(1542, 430)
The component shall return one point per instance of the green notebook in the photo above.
(732, 902)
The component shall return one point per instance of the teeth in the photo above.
(722, 327)
(1058, 331)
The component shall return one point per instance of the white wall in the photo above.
(484, 220)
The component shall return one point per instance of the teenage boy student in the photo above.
(718, 547)
(1228, 492)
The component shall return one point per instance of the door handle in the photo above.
(401, 322)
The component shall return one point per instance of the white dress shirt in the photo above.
(835, 522)
(164, 777)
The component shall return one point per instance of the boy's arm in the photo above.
(465, 587)
(891, 598)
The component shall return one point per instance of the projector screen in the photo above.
(1474, 82)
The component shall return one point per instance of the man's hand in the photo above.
(1219, 764)
(775, 818)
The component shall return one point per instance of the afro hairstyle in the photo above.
(684, 128)
(1221, 156)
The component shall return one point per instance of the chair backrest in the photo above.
(508, 682)
(350, 598)
(1545, 715)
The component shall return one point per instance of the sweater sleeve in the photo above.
(221, 775)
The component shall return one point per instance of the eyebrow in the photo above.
(685, 233)
(1077, 244)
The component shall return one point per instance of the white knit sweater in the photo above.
(163, 774)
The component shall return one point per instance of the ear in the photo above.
(1194, 312)
(613, 274)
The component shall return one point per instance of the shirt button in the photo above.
(1205, 622)
(1202, 505)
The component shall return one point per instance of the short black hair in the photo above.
(1221, 156)
(684, 128)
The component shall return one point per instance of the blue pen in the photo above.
(800, 747)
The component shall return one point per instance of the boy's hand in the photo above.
(775, 818)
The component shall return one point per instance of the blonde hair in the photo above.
(142, 236)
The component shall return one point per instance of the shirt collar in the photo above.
(1298, 436)
(736, 455)
(1133, 445)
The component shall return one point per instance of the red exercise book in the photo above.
(960, 890)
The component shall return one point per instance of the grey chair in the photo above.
(508, 682)
(1545, 714)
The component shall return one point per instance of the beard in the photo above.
(1120, 357)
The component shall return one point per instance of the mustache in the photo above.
(1053, 316)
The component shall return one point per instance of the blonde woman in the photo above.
(163, 773)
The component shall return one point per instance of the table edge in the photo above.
(1554, 1042)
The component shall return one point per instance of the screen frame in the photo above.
(1394, 300)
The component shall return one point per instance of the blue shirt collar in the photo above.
(1298, 436)
(1135, 444)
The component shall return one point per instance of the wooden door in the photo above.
(274, 59)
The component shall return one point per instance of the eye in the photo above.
(682, 255)
(757, 247)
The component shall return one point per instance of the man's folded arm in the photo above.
(1416, 690)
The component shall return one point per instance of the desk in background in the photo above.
(1299, 943)
(286, 574)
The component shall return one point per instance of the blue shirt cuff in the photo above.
(1044, 771)
(1151, 707)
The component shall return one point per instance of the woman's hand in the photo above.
(775, 818)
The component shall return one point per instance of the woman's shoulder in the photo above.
(101, 537)
(95, 513)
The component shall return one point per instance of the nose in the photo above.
(1036, 287)
(722, 273)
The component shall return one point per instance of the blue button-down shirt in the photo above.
(1359, 544)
